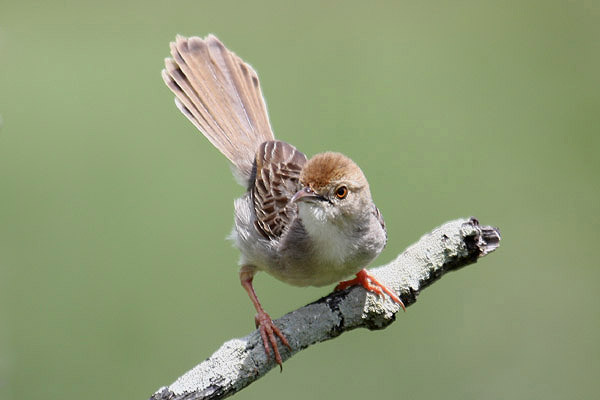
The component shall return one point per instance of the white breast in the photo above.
(331, 243)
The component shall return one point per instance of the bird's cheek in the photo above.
(364, 203)
(340, 210)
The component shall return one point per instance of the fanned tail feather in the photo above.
(220, 94)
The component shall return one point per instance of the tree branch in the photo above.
(239, 362)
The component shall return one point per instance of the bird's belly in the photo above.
(301, 265)
(322, 263)
(313, 272)
(322, 253)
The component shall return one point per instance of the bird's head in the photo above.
(333, 188)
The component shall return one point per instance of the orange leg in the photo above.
(371, 284)
(263, 321)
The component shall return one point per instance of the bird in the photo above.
(305, 221)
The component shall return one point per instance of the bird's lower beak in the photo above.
(305, 194)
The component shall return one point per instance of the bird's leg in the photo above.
(263, 321)
(371, 284)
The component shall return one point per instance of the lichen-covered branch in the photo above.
(239, 362)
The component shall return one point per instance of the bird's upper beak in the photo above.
(305, 194)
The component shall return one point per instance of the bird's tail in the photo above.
(220, 94)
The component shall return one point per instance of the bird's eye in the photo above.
(341, 192)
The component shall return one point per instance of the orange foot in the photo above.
(371, 284)
(268, 330)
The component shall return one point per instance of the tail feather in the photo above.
(221, 96)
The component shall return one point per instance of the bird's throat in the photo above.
(329, 238)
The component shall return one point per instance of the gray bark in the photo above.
(239, 362)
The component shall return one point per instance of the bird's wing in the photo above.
(379, 217)
(276, 179)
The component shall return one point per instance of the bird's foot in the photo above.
(371, 284)
(268, 331)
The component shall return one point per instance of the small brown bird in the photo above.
(305, 222)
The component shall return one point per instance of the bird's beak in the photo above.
(305, 194)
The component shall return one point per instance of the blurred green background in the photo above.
(115, 274)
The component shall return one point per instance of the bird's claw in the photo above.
(268, 331)
(371, 284)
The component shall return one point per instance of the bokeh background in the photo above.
(115, 274)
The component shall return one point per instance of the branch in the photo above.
(239, 362)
